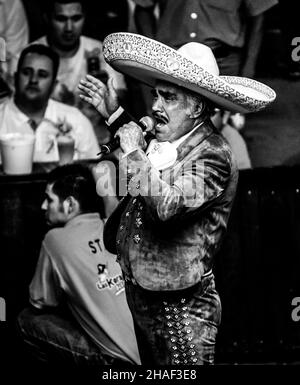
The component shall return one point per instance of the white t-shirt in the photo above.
(238, 146)
(72, 70)
(73, 262)
(86, 145)
(14, 30)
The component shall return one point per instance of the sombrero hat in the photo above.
(193, 66)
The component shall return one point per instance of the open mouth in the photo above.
(160, 121)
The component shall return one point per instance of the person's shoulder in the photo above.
(257, 7)
(216, 141)
(4, 103)
(58, 240)
(14, 5)
(65, 109)
(90, 43)
(216, 149)
(54, 236)
(40, 40)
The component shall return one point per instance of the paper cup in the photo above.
(17, 153)
(66, 148)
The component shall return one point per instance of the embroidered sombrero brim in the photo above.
(148, 60)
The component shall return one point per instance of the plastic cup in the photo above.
(66, 148)
(17, 153)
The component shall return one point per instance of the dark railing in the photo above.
(257, 268)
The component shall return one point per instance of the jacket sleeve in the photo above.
(196, 185)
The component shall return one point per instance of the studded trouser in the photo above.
(177, 328)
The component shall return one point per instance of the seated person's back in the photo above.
(75, 269)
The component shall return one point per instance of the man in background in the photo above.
(15, 33)
(65, 20)
(232, 29)
(78, 314)
(32, 111)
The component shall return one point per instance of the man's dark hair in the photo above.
(49, 4)
(75, 180)
(40, 49)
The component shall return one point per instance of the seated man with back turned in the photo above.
(31, 110)
(81, 315)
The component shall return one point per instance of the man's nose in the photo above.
(44, 205)
(69, 25)
(157, 104)
(33, 78)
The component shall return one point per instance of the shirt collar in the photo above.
(23, 117)
(17, 112)
(86, 217)
(178, 142)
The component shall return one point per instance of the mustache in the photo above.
(160, 118)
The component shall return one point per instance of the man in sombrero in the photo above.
(167, 229)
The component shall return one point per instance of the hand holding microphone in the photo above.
(130, 135)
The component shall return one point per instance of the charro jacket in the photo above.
(168, 228)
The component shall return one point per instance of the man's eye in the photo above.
(43, 75)
(60, 19)
(25, 71)
(170, 98)
(77, 18)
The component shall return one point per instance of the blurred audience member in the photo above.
(79, 312)
(229, 125)
(15, 33)
(232, 29)
(79, 55)
(31, 110)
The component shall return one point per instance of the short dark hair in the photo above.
(75, 180)
(49, 4)
(40, 49)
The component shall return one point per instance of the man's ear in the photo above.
(196, 110)
(71, 206)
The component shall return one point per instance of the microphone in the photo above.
(146, 123)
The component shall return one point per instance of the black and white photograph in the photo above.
(149, 189)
